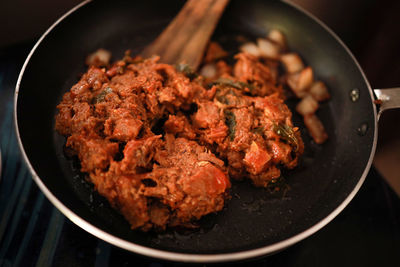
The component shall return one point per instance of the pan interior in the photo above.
(254, 217)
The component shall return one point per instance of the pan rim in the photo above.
(191, 257)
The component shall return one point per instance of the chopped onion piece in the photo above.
(301, 81)
(208, 71)
(292, 62)
(315, 128)
(99, 58)
(306, 79)
(250, 48)
(277, 37)
(319, 91)
(308, 105)
(268, 48)
(292, 80)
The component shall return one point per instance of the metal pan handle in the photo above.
(387, 99)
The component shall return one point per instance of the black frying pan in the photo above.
(255, 221)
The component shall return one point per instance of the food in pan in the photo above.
(161, 142)
(298, 77)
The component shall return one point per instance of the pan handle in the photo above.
(387, 99)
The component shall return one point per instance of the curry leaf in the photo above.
(186, 70)
(287, 133)
(231, 83)
(230, 120)
(277, 184)
(101, 97)
(258, 130)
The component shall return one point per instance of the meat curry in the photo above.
(162, 143)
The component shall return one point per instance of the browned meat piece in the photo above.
(180, 126)
(256, 159)
(122, 125)
(139, 153)
(249, 69)
(208, 121)
(93, 153)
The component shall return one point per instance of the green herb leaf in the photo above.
(230, 120)
(101, 97)
(186, 70)
(286, 133)
(222, 99)
(277, 184)
(258, 130)
(231, 83)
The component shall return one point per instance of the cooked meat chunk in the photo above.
(249, 69)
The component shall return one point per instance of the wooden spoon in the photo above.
(186, 37)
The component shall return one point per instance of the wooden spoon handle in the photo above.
(186, 37)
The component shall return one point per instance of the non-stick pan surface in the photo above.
(255, 221)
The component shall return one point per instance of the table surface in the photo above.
(34, 233)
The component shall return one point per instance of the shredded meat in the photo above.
(161, 146)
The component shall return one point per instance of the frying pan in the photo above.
(255, 222)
